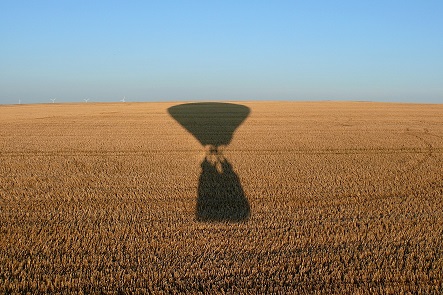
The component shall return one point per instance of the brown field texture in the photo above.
(285, 197)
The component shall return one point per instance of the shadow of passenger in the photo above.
(220, 195)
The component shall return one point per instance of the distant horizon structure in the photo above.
(124, 99)
(19, 101)
(53, 100)
(86, 100)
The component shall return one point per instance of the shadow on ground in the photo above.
(220, 194)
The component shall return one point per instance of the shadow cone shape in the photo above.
(211, 123)
(220, 196)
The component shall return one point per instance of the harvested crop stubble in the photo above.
(338, 198)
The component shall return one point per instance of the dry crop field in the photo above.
(248, 197)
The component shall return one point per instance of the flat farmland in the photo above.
(241, 197)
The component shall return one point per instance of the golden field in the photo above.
(286, 197)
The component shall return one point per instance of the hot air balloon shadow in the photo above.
(220, 195)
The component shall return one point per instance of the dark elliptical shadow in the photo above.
(220, 193)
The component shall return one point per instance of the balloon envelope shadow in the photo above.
(220, 194)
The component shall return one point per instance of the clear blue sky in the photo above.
(221, 50)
